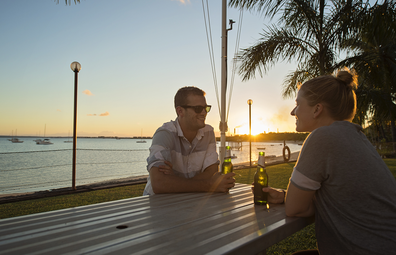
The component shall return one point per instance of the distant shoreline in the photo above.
(264, 137)
(268, 137)
(228, 139)
(91, 137)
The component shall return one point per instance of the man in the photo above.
(183, 155)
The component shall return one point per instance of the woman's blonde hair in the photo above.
(337, 94)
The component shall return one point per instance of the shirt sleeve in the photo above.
(312, 167)
(303, 182)
(160, 149)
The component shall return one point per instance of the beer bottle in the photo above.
(260, 181)
(227, 166)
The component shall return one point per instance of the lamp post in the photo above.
(250, 102)
(75, 67)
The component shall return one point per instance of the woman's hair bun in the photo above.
(347, 78)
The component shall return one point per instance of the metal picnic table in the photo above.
(185, 223)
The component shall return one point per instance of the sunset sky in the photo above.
(134, 55)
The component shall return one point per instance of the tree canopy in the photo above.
(309, 32)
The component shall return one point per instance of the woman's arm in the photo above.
(299, 203)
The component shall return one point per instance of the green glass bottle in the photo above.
(260, 181)
(227, 166)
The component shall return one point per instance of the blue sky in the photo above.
(134, 55)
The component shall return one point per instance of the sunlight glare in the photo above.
(256, 129)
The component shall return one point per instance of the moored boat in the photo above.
(68, 138)
(45, 141)
(15, 140)
(141, 138)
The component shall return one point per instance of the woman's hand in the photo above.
(275, 196)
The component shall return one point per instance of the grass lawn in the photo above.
(278, 177)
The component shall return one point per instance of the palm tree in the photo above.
(68, 1)
(305, 33)
(373, 49)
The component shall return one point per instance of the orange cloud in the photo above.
(87, 92)
(183, 1)
(102, 114)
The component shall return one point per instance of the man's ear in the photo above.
(318, 109)
(179, 111)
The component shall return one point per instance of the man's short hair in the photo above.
(183, 93)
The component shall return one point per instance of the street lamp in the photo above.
(250, 102)
(75, 67)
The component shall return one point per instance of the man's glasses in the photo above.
(198, 108)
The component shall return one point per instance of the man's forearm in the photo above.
(162, 183)
(207, 173)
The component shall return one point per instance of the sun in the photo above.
(256, 129)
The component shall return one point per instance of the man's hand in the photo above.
(166, 169)
(164, 180)
(221, 182)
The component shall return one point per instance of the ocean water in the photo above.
(28, 167)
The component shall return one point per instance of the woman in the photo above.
(339, 176)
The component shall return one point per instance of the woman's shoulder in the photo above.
(338, 127)
(338, 130)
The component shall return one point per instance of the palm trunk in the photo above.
(393, 131)
(382, 131)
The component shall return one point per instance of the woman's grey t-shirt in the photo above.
(355, 195)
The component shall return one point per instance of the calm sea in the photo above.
(28, 167)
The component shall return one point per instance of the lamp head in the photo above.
(75, 66)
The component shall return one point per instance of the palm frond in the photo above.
(293, 79)
(267, 7)
(68, 1)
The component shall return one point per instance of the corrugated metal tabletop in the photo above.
(188, 223)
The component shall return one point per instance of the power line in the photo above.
(210, 48)
(238, 39)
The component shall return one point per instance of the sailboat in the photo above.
(141, 138)
(68, 138)
(45, 141)
(14, 139)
